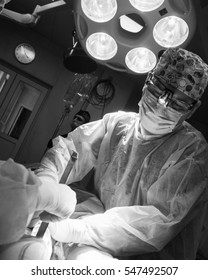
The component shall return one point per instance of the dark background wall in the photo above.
(48, 69)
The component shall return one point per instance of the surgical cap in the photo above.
(183, 70)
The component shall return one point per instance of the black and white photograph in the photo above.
(103, 138)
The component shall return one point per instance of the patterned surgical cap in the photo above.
(183, 70)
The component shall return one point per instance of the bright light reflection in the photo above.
(146, 5)
(101, 46)
(99, 10)
(140, 60)
(170, 31)
(130, 25)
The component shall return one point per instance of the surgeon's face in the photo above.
(163, 108)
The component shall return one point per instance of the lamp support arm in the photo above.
(21, 18)
(39, 10)
(31, 18)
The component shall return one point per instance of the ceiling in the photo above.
(57, 25)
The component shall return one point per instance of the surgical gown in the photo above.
(153, 191)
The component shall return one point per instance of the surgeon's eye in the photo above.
(180, 106)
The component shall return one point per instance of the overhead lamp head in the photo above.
(101, 46)
(171, 31)
(140, 60)
(128, 35)
(146, 5)
(99, 11)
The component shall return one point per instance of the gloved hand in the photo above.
(22, 193)
(25, 249)
(57, 200)
(18, 199)
(69, 230)
(75, 231)
(28, 248)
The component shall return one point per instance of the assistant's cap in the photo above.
(183, 70)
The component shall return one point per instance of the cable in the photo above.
(102, 94)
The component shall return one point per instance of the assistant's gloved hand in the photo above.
(69, 230)
(28, 248)
(57, 200)
(22, 193)
(18, 199)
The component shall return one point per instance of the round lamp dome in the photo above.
(129, 35)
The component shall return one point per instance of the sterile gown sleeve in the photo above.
(140, 229)
(84, 142)
(18, 199)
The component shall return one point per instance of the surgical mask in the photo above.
(155, 118)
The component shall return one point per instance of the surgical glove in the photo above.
(28, 248)
(18, 199)
(57, 200)
(69, 230)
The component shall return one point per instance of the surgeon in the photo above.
(151, 172)
(23, 198)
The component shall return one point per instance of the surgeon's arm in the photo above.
(148, 228)
(84, 142)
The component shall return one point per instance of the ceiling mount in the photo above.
(76, 60)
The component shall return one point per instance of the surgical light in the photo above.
(101, 46)
(140, 60)
(99, 10)
(171, 31)
(129, 35)
(146, 5)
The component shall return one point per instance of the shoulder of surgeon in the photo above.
(190, 129)
(191, 136)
